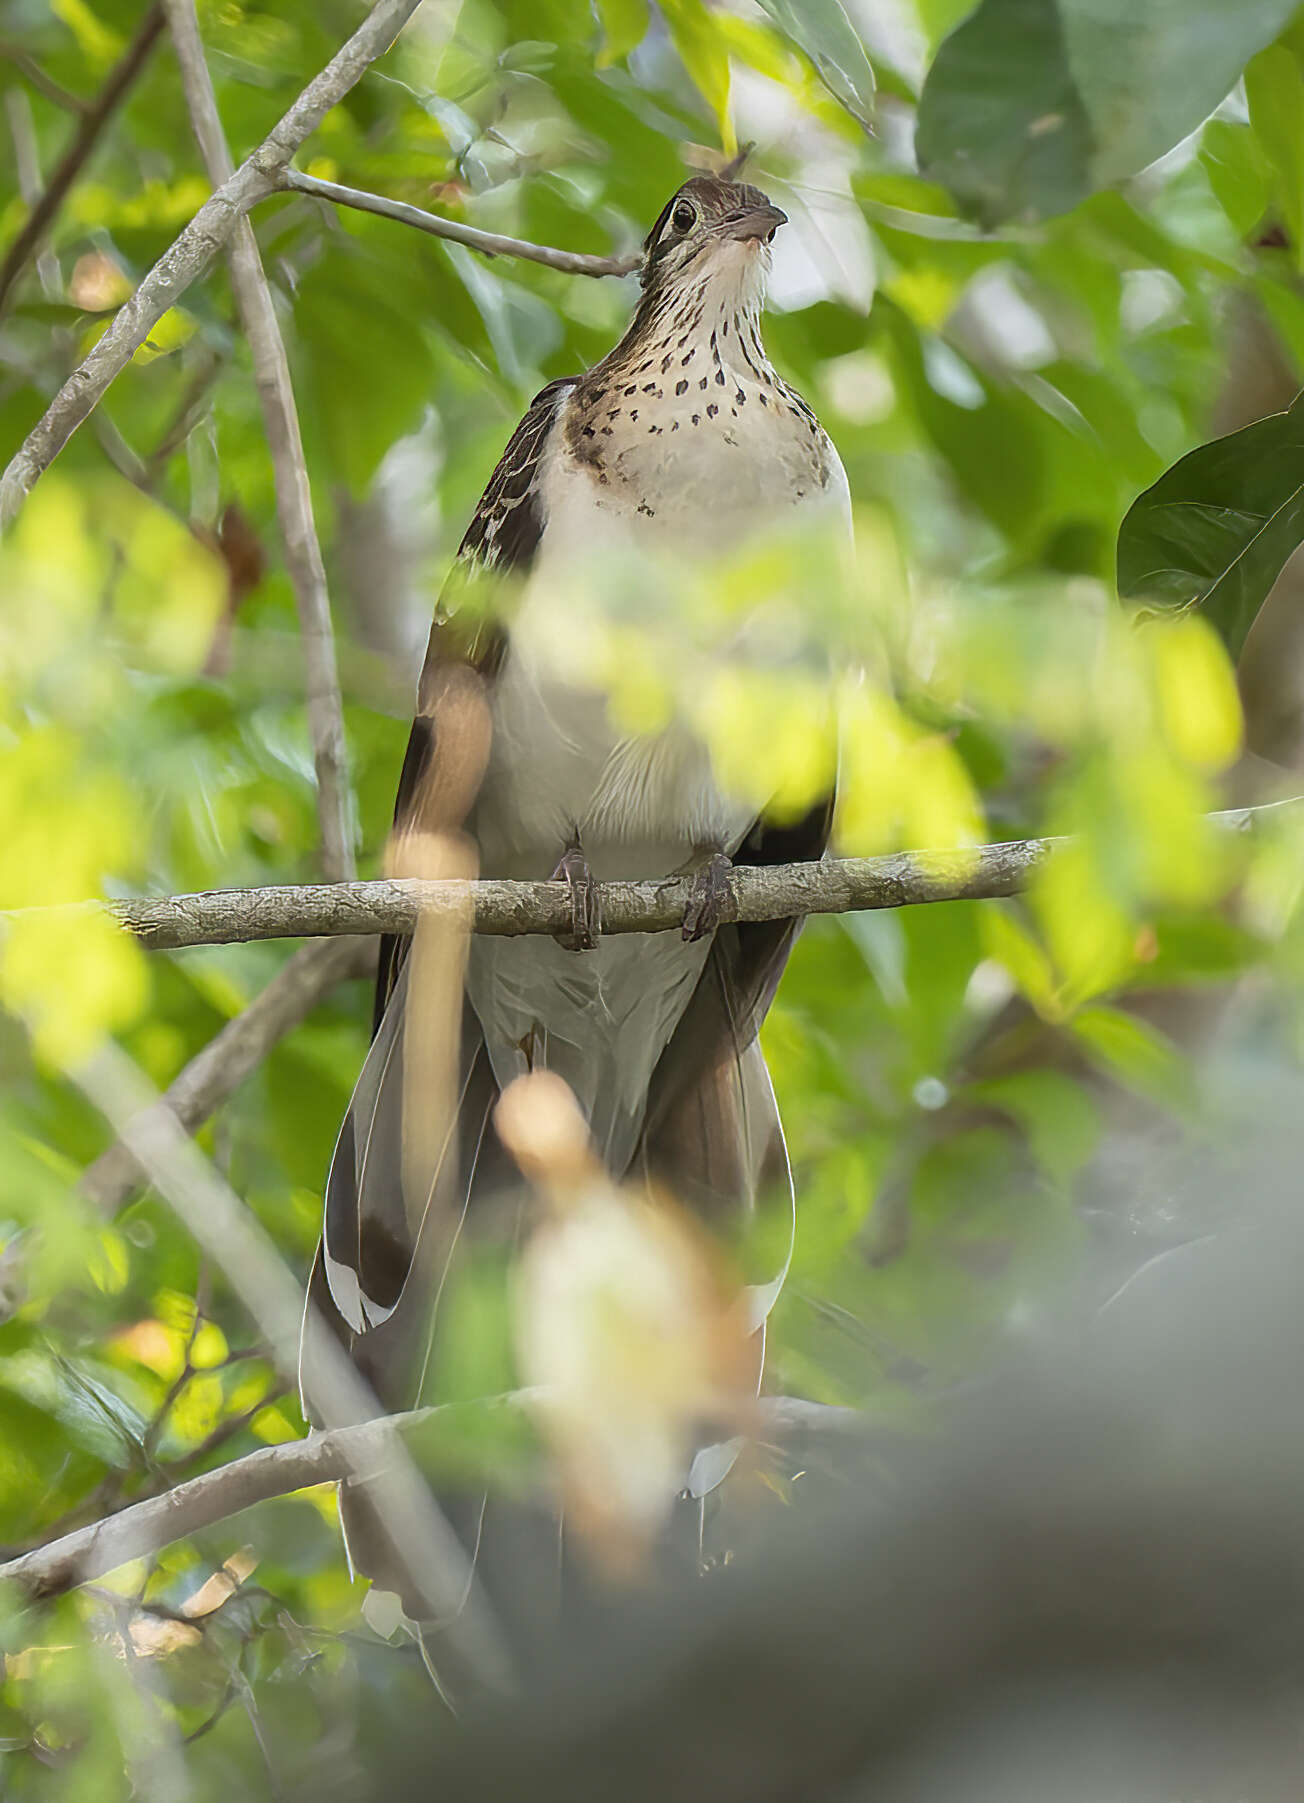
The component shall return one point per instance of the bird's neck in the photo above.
(720, 317)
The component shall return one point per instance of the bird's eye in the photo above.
(684, 217)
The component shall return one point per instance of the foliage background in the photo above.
(983, 1100)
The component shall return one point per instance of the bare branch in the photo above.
(70, 165)
(767, 892)
(242, 1044)
(190, 254)
(436, 1564)
(303, 559)
(344, 1452)
(492, 244)
(509, 909)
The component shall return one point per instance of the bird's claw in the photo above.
(586, 912)
(710, 898)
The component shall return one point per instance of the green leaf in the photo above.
(823, 31)
(624, 26)
(1032, 104)
(705, 55)
(1216, 528)
(1274, 91)
(1137, 1055)
(1237, 169)
(1057, 1116)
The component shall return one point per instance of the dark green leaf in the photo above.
(1032, 104)
(1215, 530)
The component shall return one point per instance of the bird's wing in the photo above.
(378, 1249)
(503, 536)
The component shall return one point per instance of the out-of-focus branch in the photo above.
(219, 1069)
(23, 132)
(190, 254)
(343, 1452)
(303, 559)
(434, 1561)
(491, 244)
(87, 135)
(32, 72)
(770, 892)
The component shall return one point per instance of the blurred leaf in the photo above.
(1237, 169)
(44, 1470)
(1274, 91)
(1137, 1055)
(1060, 1120)
(624, 26)
(1031, 104)
(1216, 528)
(704, 52)
(822, 29)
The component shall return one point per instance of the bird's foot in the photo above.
(711, 897)
(586, 913)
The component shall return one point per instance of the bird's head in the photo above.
(715, 230)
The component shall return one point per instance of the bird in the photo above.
(683, 442)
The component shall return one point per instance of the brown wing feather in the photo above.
(504, 535)
(368, 1258)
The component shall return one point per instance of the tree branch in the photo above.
(436, 1565)
(758, 892)
(87, 135)
(190, 254)
(219, 1069)
(358, 1451)
(492, 244)
(303, 559)
(835, 886)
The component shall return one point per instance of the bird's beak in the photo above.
(758, 222)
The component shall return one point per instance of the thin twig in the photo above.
(214, 1440)
(436, 1565)
(70, 166)
(239, 1048)
(32, 72)
(190, 254)
(507, 909)
(303, 559)
(23, 132)
(187, 415)
(491, 244)
(355, 1451)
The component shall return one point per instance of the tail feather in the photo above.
(710, 1135)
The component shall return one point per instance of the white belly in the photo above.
(560, 771)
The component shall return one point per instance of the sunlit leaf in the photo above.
(1199, 707)
(624, 26)
(704, 53)
(822, 29)
(1274, 91)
